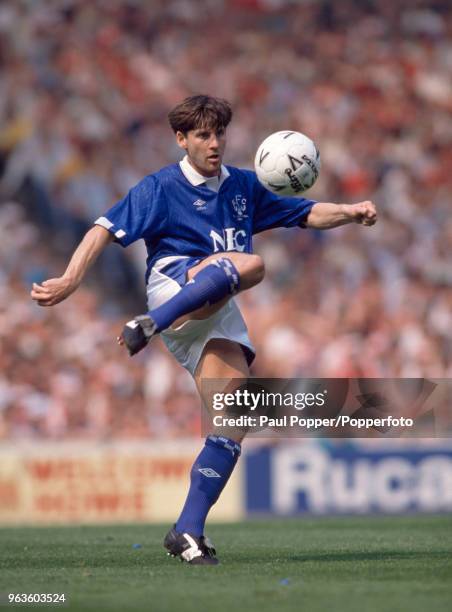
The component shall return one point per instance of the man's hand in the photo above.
(363, 212)
(53, 291)
(326, 215)
(137, 333)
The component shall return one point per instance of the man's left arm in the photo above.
(326, 215)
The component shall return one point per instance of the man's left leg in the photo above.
(211, 283)
(221, 359)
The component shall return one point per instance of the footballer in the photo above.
(197, 218)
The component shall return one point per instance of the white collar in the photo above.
(196, 179)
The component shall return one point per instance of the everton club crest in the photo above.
(239, 205)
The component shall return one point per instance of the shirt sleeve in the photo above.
(141, 214)
(272, 211)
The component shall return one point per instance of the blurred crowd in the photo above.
(85, 87)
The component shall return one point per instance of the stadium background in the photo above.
(89, 435)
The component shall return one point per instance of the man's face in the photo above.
(205, 149)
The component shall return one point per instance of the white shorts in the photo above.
(187, 342)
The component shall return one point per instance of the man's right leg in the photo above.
(221, 359)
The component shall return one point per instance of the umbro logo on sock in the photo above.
(209, 472)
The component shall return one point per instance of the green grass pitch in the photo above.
(356, 564)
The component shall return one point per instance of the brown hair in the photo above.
(198, 112)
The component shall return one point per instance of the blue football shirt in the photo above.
(175, 217)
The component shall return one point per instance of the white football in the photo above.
(287, 163)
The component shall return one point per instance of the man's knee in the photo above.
(251, 268)
(258, 267)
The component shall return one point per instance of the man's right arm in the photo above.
(55, 290)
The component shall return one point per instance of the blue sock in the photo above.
(208, 477)
(209, 286)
